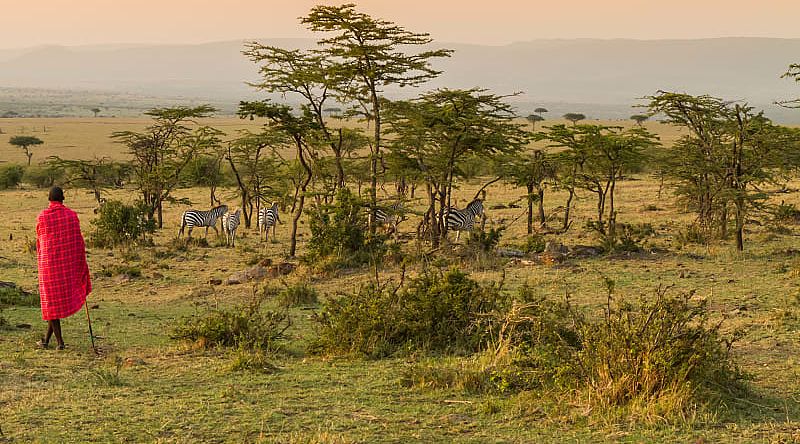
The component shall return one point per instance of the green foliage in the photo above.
(131, 271)
(574, 117)
(623, 237)
(25, 142)
(10, 176)
(340, 232)
(252, 360)
(15, 296)
(434, 313)
(120, 224)
(245, 326)
(298, 295)
(534, 243)
(44, 176)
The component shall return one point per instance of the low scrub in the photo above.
(433, 313)
(10, 176)
(659, 358)
(246, 326)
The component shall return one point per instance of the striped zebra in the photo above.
(268, 218)
(390, 217)
(230, 222)
(463, 220)
(197, 218)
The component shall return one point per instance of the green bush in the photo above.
(534, 243)
(340, 234)
(246, 327)
(120, 224)
(10, 176)
(42, 176)
(433, 313)
(298, 295)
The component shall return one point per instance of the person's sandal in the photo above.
(61, 347)
(41, 344)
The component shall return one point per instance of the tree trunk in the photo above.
(542, 219)
(530, 208)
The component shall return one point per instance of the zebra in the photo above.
(463, 220)
(268, 218)
(230, 222)
(390, 216)
(197, 218)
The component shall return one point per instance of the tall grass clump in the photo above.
(15, 296)
(298, 295)
(436, 312)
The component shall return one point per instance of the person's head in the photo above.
(56, 195)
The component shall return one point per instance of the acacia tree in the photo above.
(792, 73)
(439, 130)
(640, 119)
(366, 56)
(97, 174)
(533, 171)
(254, 160)
(24, 142)
(304, 132)
(95, 111)
(729, 153)
(164, 149)
(533, 118)
(574, 117)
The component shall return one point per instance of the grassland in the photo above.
(165, 391)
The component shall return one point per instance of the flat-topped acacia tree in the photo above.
(367, 55)
(574, 117)
(25, 142)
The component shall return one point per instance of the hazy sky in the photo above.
(89, 22)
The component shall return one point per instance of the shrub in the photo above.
(785, 213)
(623, 237)
(10, 176)
(664, 349)
(254, 360)
(435, 312)
(693, 234)
(132, 271)
(534, 243)
(298, 295)
(120, 224)
(340, 233)
(42, 176)
(246, 326)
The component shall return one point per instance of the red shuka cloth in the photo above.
(61, 254)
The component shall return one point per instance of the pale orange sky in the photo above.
(89, 22)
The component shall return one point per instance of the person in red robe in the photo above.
(64, 279)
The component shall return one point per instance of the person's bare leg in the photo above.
(46, 339)
(57, 331)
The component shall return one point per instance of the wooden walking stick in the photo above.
(91, 334)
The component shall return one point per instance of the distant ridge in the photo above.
(610, 73)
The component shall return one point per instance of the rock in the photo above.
(266, 262)
(132, 361)
(158, 275)
(95, 306)
(282, 269)
(122, 278)
(256, 272)
(215, 281)
(236, 278)
(555, 247)
(509, 252)
(585, 251)
(23, 326)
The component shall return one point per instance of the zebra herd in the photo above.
(268, 217)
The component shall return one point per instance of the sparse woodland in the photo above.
(436, 269)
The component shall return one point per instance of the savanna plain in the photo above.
(146, 386)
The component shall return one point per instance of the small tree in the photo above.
(533, 118)
(440, 130)
(96, 174)
(532, 171)
(640, 119)
(95, 111)
(164, 149)
(25, 142)
(574, 117)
